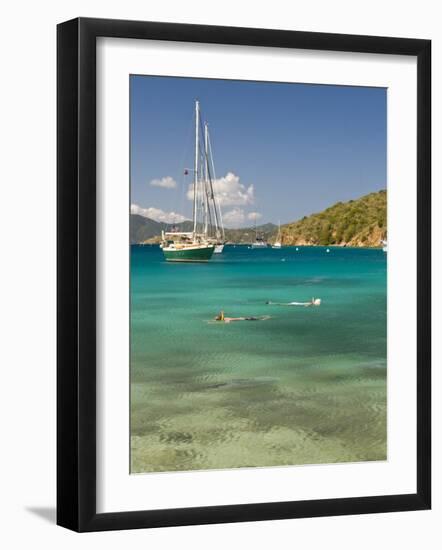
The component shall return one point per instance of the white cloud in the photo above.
(157, 214)
(230, 191)
(167, 182)
(234, 217)
(254, 216)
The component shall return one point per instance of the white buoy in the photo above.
(297, 248)
(328, 249)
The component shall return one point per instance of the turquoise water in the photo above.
(306, 386)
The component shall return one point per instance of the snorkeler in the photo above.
(312, 302)
(221, 317)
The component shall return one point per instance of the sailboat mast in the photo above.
(218, 211)
(206, 177)
(206, 156)
(195, 181)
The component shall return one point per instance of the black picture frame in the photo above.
(76, 274)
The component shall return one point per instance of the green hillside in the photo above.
(360, 222)
(145, 229)
(142, 228)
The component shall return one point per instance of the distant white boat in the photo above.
(384, 247)
(260, 242)
(277, 243)
(218, 248)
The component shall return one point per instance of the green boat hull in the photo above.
(193, 255)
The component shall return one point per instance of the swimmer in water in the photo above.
(221, 317)
(312, 302)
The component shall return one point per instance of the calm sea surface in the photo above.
(306, 386)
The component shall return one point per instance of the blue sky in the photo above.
(281, 150)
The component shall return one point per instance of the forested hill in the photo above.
(360, 222)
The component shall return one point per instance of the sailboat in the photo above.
(260, 242)
(277, 243)
(195, 245)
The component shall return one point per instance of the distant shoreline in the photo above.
(359, 223)
(335, 246)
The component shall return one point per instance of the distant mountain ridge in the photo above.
(359, 222)
(147, 230)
